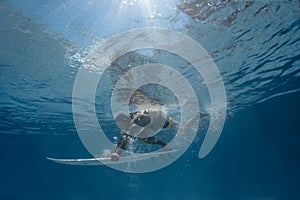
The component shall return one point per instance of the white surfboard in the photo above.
(107, 160)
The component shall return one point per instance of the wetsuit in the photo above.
(142, 119)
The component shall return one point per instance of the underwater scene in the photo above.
(149, 99)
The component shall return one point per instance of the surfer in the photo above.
(142, 125)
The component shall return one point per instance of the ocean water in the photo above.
(256, 46)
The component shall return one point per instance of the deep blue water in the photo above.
(255, 45)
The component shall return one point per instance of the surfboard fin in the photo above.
(202, 114)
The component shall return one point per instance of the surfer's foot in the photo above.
(114, 157)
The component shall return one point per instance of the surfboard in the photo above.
(107, 160)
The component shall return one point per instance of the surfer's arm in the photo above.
(170, 123)
(173, 125)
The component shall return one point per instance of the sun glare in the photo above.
(149, 8)
(127, 14)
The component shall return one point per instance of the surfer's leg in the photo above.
(172, 124)
(152, 140)
(124, 141)
(121, 146)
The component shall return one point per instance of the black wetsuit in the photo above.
(141, 118)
